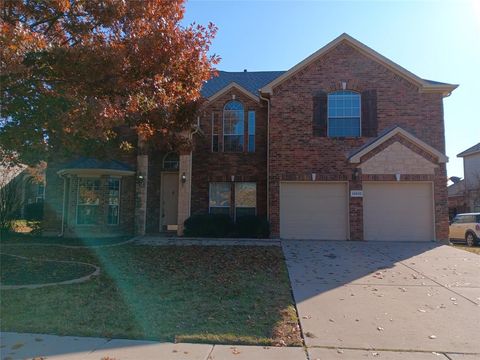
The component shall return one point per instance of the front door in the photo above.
(169, 201)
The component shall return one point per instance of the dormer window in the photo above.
(344, 114)
(233, 126)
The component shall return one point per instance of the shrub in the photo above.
(252, 226)
(208, 225)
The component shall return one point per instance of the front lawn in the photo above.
(472, 249)
(234, 295)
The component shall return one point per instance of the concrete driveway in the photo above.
(385, 298)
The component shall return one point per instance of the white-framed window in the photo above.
(171, 162)
(219, 198)
(233, 126)
(245, 199)
(251, 131)
(88, 201)
(113, 214)
(344, 114)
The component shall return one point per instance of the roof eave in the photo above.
(356, 157)
(227, 88)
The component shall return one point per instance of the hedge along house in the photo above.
(345, 145)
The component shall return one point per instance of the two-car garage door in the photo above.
(400, 211)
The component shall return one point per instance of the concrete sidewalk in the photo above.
(51, 347)
(37, 346)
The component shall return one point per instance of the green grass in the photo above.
(16, 271)
(234, 295)
(17, 238)
(474, 249)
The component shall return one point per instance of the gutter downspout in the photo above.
(268, 154)
(63, 205)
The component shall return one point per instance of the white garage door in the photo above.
(398, 211)
(313, 211)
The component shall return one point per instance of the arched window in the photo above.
(344, 114)
(233, 126)
(170, 161)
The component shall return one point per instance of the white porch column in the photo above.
(141, 181)
(184, 190)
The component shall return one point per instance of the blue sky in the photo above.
(435, 39)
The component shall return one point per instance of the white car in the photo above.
(466, 227)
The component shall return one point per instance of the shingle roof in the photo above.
(473, 149)
(251, 81)
(432, 82)
(91, 163)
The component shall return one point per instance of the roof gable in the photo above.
(356, 156)
(424, 85)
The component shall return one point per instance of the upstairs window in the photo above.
(344, 114)
(233, 127)
(251, 131)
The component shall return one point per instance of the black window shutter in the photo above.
(369, 113)
(320, 114)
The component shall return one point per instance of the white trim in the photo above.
(423, 85)
(355, 159)
(95, 172)
(233, 85)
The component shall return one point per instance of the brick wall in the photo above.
(295, 153)
(212, 167)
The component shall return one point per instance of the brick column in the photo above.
(355, 209)
(141, 194)
(184, 189)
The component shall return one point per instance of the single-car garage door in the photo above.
(313, 211)
(400, 211)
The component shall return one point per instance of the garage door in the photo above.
(398, 211)
(313, 211)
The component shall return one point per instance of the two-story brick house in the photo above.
(346, 145)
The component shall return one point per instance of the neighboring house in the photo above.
(471, 173)
(346, 145)
(456, 197)
(27, 182)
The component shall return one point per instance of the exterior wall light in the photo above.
(355, 174)
(184, 178)
(140, 179)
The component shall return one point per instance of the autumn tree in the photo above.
(75, 71)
